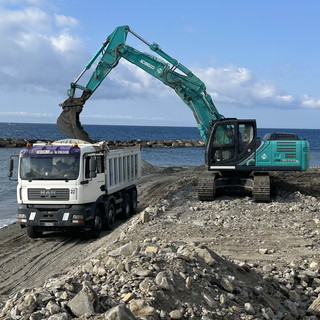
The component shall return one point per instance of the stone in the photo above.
(176, 314)
(120, 312)
(206, 256)
(249, 308)
(81, 304)
(59, 316)
(151, 249)
(53, 308)
(141, 308)
(314, 308)
(147, 285)
(102, 271)
(128, 296)
(227, 285)
(162, 281)
(209, 300)
(314, 266)
(36, 316)
(292, 308)
(128, 249)
(144, 216)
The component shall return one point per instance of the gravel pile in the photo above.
(184, 259)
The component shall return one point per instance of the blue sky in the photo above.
(258, 59)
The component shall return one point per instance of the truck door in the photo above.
(94, 176)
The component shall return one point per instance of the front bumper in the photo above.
(76, 216)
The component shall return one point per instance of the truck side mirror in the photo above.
(10, 171)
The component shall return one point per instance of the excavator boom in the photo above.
(166, 69)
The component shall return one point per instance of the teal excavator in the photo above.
(234, 153)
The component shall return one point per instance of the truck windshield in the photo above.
(49, 166)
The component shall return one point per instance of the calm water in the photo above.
(160, 157)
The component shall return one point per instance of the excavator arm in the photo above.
(168, 70)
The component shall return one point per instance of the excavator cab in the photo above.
(230, 142)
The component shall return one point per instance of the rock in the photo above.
(147, 285)
(163, 282)
(227, 284)
(209, 300)
(206, 256)
(59, 316)
(144, 216)
(141, 308)
(127, 297)
(176, 314)
(151, 249)
(263, 251)
(249, 308)
(314, 266)
(36, 316)
(314, 308)
(81, 304)
(119, 312)
(53, 308)
(292, 308)
(128, 249)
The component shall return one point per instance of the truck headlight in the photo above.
(22, 217)
(77, 218)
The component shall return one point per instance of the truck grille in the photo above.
(57, 194)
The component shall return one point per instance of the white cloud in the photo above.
(38, 53)
(287, 98)
(309, 102)
(65, 21)
(65, 42)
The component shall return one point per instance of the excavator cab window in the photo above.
(230, 142)
(224, 142)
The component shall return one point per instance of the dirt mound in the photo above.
(179, 258)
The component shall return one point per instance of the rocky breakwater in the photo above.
(175, 143)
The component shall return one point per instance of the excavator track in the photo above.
(261, 187)
(206, 189)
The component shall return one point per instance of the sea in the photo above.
(156, 156)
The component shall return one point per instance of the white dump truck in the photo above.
(72, 185)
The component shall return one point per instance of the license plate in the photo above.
(48, 224)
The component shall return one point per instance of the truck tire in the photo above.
(33, 233)
(134, 200)
(96, 224)
(126, 208)
(110, 214)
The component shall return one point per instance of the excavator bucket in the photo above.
(69, 124)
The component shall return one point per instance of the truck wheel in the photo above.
(96, 224)
(126, 209)
(33, 232)
(134, 201)
(110, 215)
